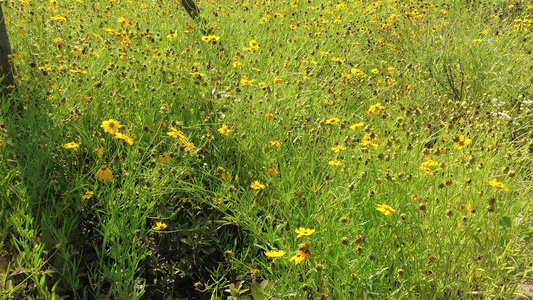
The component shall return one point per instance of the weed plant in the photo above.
(297, 149)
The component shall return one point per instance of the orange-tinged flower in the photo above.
(301, 257)
(302, 231)
(278, 80)
(2, 143)
(385, 209)
(71, 145)
(104, 175)
(498, 185)
(224, 130)
(269, 116)
(463, 207)
(274, 254)
(112, 126)
(273, 172)
(160, 226)
(164, 159)
(256, 185)
(124, 137)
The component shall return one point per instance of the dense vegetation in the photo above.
(270, 149)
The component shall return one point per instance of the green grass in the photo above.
(439, 71)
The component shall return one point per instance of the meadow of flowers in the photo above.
(304, 149)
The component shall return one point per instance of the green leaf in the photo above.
(505, 222)
(257, 291)
(476, 238)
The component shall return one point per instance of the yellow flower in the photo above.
(375, 71)
(337, 60)
(358, 72)
(427, 171)
(428, 162)
(164, 159)
(269, 116)
(210, 38)
(372, 140)
(302, 231)
(189, 147)
(278, 80)
(160, 226)
(123, 57)
(2, 143)
(275, 144)
(104, 175)
(254, 44)
(124, 21)
(256, 185)
(175, 133)
(77, 51)
(301, 257)
(71, 145)
(273, 172)
(78, 71)
(332, 121)
(462, 142)
(124, 137)
(357, 126)
(335, 163)
(112, 126)
(385, 209)
(498, 185)
(274, 254)
(87, 195)
(100, 151)
(60, 17)
(338, 148)
(224, 130)
(373, 110)
(246, 81)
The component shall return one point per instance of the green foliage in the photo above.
(393, 137)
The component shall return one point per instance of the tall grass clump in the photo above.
(267, 150)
